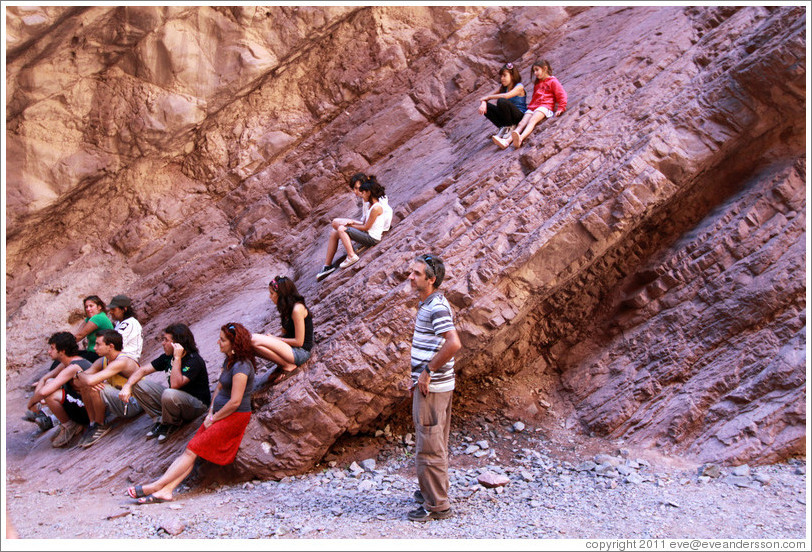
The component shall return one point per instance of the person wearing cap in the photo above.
(120, 308)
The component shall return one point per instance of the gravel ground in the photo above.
(555, 489)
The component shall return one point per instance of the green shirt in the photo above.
(102, 323)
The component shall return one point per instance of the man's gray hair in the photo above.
(435, 267)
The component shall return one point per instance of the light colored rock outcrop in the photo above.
(641, 256)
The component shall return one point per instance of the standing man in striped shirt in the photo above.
(434, 344)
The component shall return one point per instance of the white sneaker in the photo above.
(501, 142)
(349, 261)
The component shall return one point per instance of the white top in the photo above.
(382, 222)
(130, 330)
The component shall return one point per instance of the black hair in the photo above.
(182, 335)
(373, 187)
(64, 342)
(112, 338)
(357, 177)
(129, 312)
(287, 296)
(435, 268)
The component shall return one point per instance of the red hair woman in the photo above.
(218, 439)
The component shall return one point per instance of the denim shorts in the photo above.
(300, 355)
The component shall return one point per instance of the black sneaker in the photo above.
(153, 431)
(165, 431)
(418, 497)
(325, 271)
(421, 514)
(97, 433)
(86, 435)
(43, 421)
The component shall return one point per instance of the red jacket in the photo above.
(547, 93)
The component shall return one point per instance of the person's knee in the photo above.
(52, 399)
(170, 396)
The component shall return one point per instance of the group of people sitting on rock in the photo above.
(86, 390)
(511, 114)
(81, 385)
(91, 388)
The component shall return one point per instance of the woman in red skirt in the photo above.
(219, 437)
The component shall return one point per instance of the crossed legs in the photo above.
(172, 477)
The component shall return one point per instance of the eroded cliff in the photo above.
(635, 270)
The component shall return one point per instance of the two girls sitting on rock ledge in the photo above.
(547, 92)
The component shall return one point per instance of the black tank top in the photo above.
(290, 329)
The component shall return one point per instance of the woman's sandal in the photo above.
(135, 492)
(285, 374)
(152, 499)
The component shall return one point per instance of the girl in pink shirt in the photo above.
(547, 92)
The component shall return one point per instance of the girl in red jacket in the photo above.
(547, 92)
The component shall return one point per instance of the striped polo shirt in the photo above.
(434, 318)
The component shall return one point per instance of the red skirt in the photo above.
(220, 442)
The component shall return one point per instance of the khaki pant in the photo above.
(116, 408)
(168, 406)
(432, 421)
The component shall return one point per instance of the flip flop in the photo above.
(136, 492)
(152, 499)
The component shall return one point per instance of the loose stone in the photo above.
(743, 470)
(491, 480)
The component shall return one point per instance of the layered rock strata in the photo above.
(645, 249)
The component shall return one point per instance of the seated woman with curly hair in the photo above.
(219, 438)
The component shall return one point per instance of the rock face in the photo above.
(644, 251)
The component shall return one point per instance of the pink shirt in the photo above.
(547, 93)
